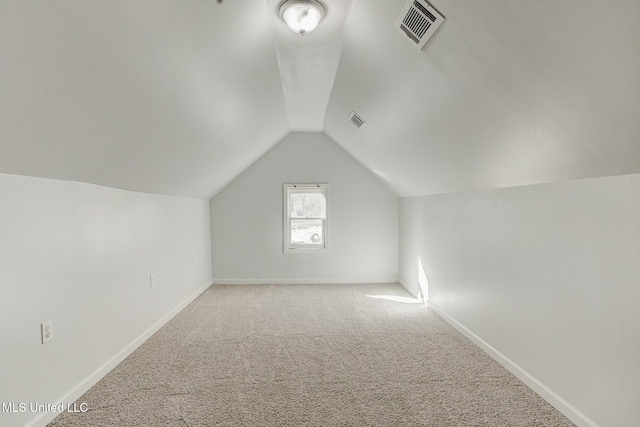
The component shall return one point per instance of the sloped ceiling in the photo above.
(176, 97)
(171, 97)
(507, 93)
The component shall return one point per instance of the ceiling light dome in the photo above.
(302, 16)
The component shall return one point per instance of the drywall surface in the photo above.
(247, 221)
(81, 256)
(547, 275)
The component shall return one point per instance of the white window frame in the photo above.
(288, 247)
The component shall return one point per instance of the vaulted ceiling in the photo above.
(179, 97)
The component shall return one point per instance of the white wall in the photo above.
(548, 276)
(246, 219)
(81, 255)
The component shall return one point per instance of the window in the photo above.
(305, 217)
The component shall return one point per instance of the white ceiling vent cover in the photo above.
(418, 20)
(356, 120)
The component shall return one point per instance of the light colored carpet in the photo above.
(310, 355)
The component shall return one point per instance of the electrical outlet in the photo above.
(47, 331)
(152, 280)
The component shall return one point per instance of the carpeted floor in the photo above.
(310, 355)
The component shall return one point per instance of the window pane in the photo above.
(306, 205)
(306, 231)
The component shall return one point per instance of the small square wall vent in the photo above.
(419, 21)
(356, 120)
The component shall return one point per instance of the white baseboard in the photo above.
(414, 292)
(81, 388)
(300, 281)
(568, 410)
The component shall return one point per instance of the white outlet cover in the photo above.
(46, 329)
(152, 280)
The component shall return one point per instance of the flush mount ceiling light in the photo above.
(302, 16)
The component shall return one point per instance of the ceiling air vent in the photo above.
(356, 120)
(418, 20)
